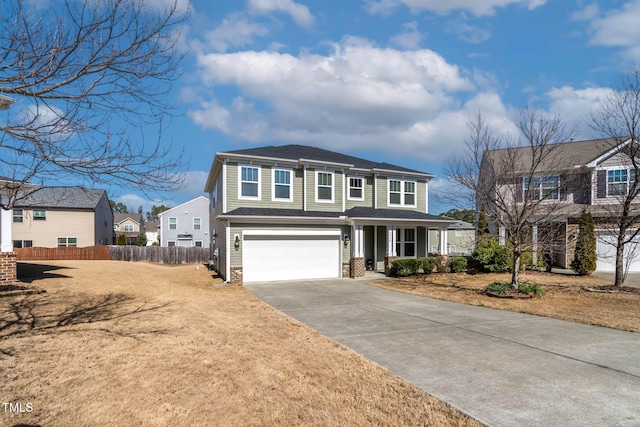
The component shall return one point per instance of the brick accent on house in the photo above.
(8, 272)
(346, 269)
(357, 267)
(388, 260)
(236, 275)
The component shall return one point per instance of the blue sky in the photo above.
(387, 80)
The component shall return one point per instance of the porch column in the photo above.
(391, 249)
(534, 238)
(6, 243)
(443, 241)
(358, 241)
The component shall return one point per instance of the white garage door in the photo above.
(289, 257)
(606, 253)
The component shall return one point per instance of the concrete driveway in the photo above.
(502, 368)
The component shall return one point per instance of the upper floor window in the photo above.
(173, 223)
(18, 215)
(324, 187)
(197, 223)
(250, 182)
(198, 243)
(402, 193)
(542, 188)
(128, 227)
(619, 181)
(356, 189)
(281, 184)
(39, 215)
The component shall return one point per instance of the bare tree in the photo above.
(516, 180)
(618, 119)
(88, 79)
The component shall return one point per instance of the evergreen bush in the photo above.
(584, 261)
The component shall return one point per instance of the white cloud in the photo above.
(360, 95)
(476, 7)
(194, 183)
(235, 30)
(467, 32)
(410, 37)
(300, 13)
(576, 105)
(588, 13)
(619, 28)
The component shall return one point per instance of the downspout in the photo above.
(304, 188)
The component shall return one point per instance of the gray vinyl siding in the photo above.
(336, 205)
(383, 199)
(368, 192)
(238, 228)
(185, 214)
(103, 222)
(266, 188)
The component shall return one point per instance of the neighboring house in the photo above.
(461, 239)
(598, 170)
(128, 225)
(299, 212)
(62, 216)
(152, 231)
(186, 224)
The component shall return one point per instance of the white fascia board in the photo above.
(323, 163)
(594, 162)
(248, 157)
(403, 173)
(387, 221)
(284, 219)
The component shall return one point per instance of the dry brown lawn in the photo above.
(564, 296)
(136, 344)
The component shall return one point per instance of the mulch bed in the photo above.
(512, 294)
(612, 289)
(11, 290)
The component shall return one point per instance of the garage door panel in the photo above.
(606, 253)
(268, 258)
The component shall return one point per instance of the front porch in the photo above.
(374, 247)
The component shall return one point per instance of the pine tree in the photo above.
(584, 261)
(483, 224)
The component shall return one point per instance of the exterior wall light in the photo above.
(346, 240)
(236, 242)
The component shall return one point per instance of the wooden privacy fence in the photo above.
(160, 255)
(64, 253)
(157, 254)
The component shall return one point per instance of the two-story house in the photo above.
(128, 225)
(591, 176)
(186, 224)
(62, 216)
(299, 212)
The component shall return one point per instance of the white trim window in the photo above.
(128, 227)
(171, 243)
(324, 186)
(619, 181)
(282, 186)
(198, 243)
(401, 193)
(18, 215)
(542, 187)
(67, 241)
(356, 188)
(406, 242)
(197, 223)
(249, 185)
(39, 215)
(173, 223)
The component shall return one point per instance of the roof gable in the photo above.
(62, 197)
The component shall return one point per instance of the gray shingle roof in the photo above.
(364, 212)
(274, 212)
(358, 212)
(120, 217)
(298, 152)
(62, 197)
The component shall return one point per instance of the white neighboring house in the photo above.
(186, 225)
(152, 230)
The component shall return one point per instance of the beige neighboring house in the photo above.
(461, 239)
(62, 216)
(128, 224)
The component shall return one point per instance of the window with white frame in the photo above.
(619, 181)
(197, 223)
(458, 233)
(198, 243)
(282, 184)
(250, 182)
(128, 227)
(542, 188)
(18, 215)
(67, 241)
(406, 242)
(324, 186)
(173, 223)
(39, 215)
(22, 243)
(356, 188)
(402, 193)
(171, 243)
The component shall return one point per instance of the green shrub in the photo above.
(405, 267)
(458, 264)
(492, 256)
(427, 264)
(584, 261)
(122, 240)
(501, 288)
(537, 290)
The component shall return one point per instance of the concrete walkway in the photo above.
(502, 368)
